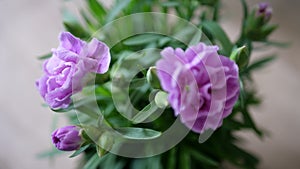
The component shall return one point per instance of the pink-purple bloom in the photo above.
(67, 138)
(203, 86)
(65, 70)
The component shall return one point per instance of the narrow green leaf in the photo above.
(76, 29)
(138, 133)
(141, 39)
(97, 10)
(232, 124)
(138, 164)
(203, 158)
(184, 160)
(50, 153)
(242, 96)
(102, 91)
(90, 24)
(138, 82)
(117, 8)
(278, 44)
(245, 8)
(170, 4)
(93, 162)
(72, 25)
(250, 122)
(218, 33)
(172, 158)
(259, 63)
(145, 113)
(45, 56)
(79, 151)
(196, 38)
(246, 160)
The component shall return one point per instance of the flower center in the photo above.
(56, 140)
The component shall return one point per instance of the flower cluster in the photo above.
(185, 89)
(202, 85)
(65, 70)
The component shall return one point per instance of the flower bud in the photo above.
(264, 10)
(257, 27)
(240, 56)
(67, 138)
(152, 78)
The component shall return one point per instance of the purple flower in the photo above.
(264, 10)
(65, 70)
(67, 138)
(202, 85)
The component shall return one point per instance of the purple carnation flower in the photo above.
(69, 63)
(67, 138)
(202, 85)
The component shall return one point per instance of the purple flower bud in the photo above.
(264, 10)
(67, 138)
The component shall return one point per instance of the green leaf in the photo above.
(196, 38)
(79, 151)
(97, 10)
(147, 163)
(138, 133)
(45, 56)
(268, 29)
(141, 39)
(146, 112)
(218, 33)
(71, 107)
(249, 121)
(90, 24)
(242, 158)
(50, 153)
(93, 162)
(117, 8)
(102, 91)
(278, 44)
(72, 25)
(170, 4)
(242, 96)
(172, 158)
(259, 63)
(232, 124)
(76, 29)
(184, 160)
(245, 8)
(203, 158)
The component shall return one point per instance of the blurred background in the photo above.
(29, 28)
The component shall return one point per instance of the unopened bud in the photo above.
(240, 56)
(67, 138)
(152, 78)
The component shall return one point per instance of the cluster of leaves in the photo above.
(222, 145)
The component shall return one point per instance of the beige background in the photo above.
(29, 28)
